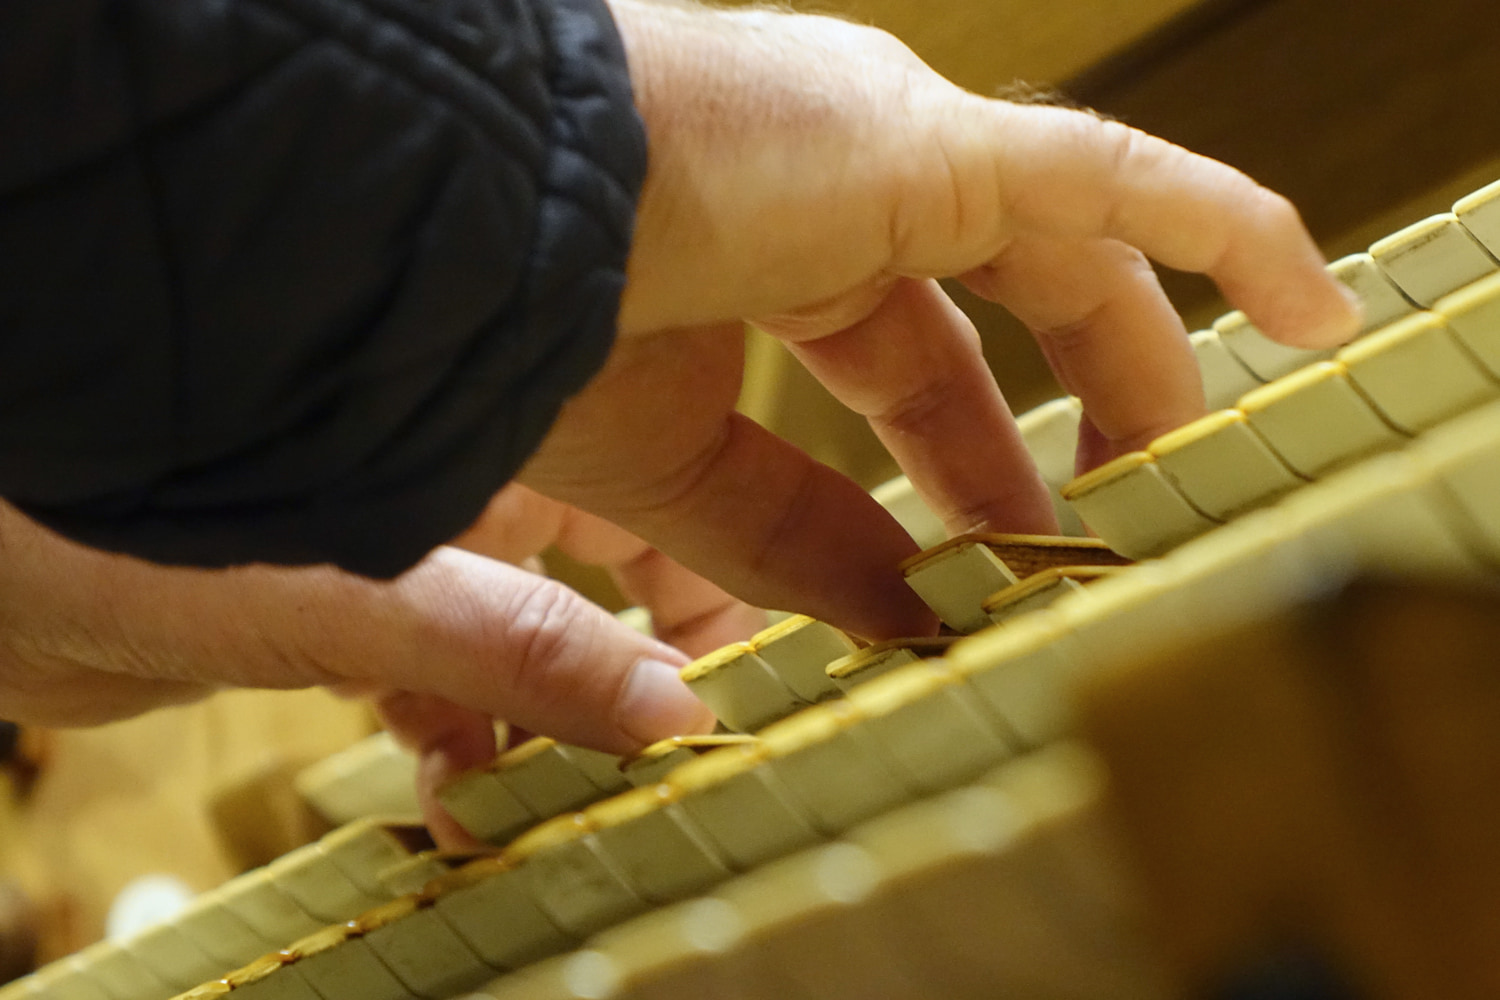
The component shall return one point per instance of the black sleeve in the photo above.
(300, 280)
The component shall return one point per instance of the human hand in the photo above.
(460, 640)
(813, 177)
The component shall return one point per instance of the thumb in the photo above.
(499, 642)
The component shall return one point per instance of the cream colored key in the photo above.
(804, 932)
(677, 951)
(63, 981)
(172, 956)
(570, 879)
(1417, 373)
(550, 778)
(339, 964)
(1225, 377)
(1015, 834)
(413, 874)
(1431, 258)
(955, 578)
(657, 847)
(1388, 516)
(319, 887)
(374, 777)
(215, 990)
(1050, 432)
(421, 950)
(1222, 466)
(120, 973)
(740, 688)
(1265, 358)
(1131, 504)
(1473, 314)
(485, 807)
(488, 905)
(1316, 419)
(1021, 671)
(273, 915)
(1463, 459)
(741, 806)
(798, 649)
(831, 768)
(269, 978)
(930, 725)
(229, 940)
(367, 848)
(882, 658)
(1379, 298)
(656, 762)
(900, 499)
(1039, 590)
(1480, 215)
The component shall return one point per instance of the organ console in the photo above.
(959, 817)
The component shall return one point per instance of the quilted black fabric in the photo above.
(300, 280)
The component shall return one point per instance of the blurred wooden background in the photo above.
(1369, 115)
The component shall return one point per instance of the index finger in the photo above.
(1057, 172)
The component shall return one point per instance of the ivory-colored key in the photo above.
(674, 952)
(1417, 373)
(421, 949)
(1020, 672)
(930, 725)
(1132, 505)
(1050, 432)
(340, 965)
(365, 849)
(551, 778)
(1463, 460)
(742, 806)
(1473, 314)
(374, 777)
(120, 973)
(740, 688)
(883, 657)
(319, 887)
(172, 956)
(1316, 419)
(1431, 258)
(1379, 298)
(656, 762)
(955, 578)
(805, 932)
(1479, 213)
(272, 914)
(1039, 590)
(1225, 377)
(63, 981)
(1386, 515)
(1222, 466)
(831, 768)
(657, 847)
(1267, 359)
(269, 978)
(901, 500)
(413, 874)
(229, 940)
(570, 879)
(488, 905)
(798, 649)
(485, 807)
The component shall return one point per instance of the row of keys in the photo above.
(914, 732)
(1370, 396)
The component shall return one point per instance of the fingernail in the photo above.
(656, 704)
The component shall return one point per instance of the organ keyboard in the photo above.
(927, 827)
